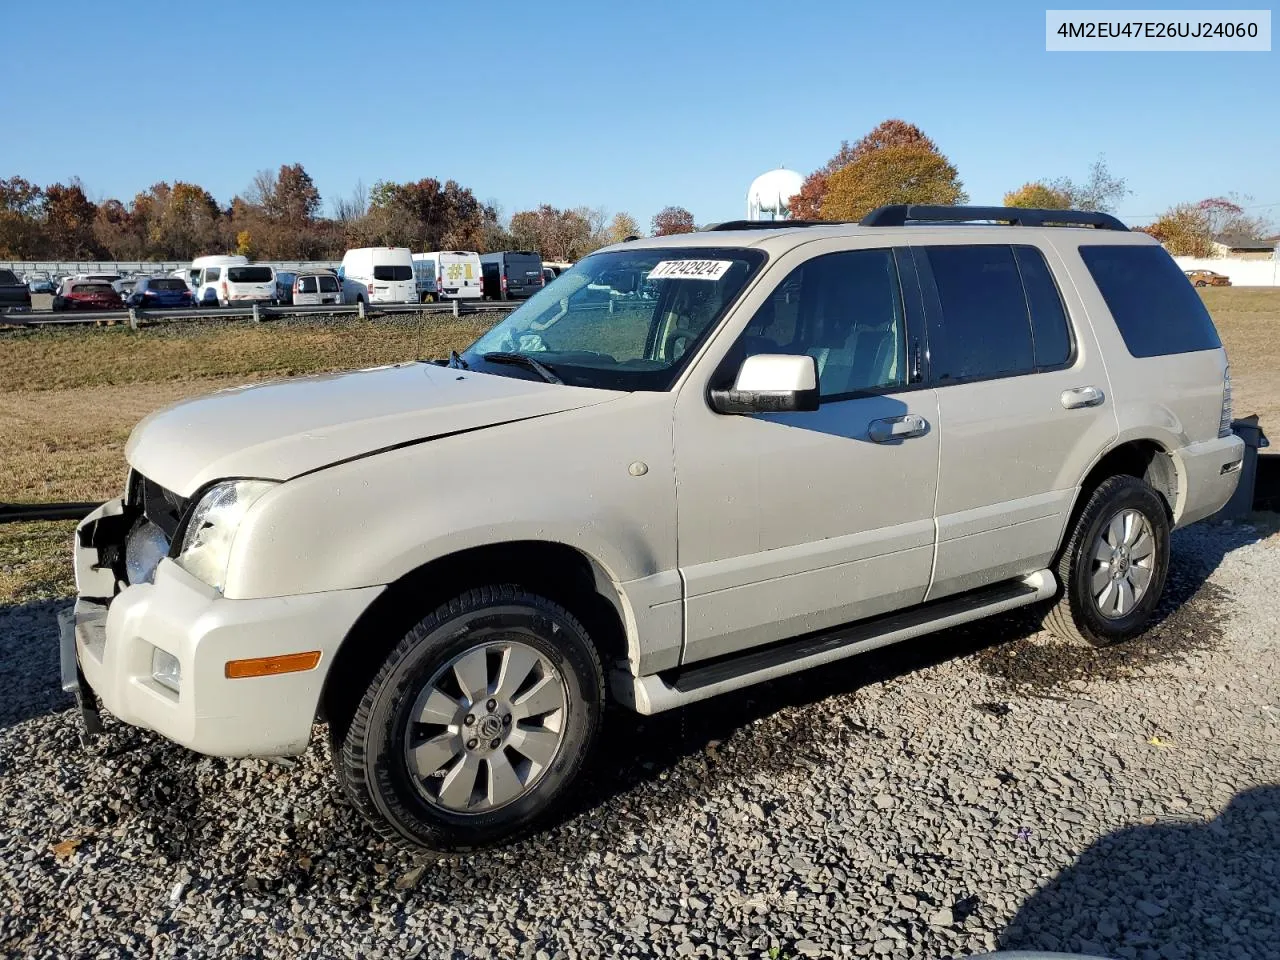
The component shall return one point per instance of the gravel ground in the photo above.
(985, 787)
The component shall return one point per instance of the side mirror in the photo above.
(771, 383)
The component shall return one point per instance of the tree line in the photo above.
(277, 217)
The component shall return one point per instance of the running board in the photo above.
(698, 681)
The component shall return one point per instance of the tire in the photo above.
(1099, 560)
(1200, 283)
(439, 811)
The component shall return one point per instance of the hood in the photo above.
(283, 428)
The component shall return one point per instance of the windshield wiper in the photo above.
(456, 362)
(523, 360)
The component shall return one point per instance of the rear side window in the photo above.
(1157, 310)
(211, 274)
(984, 329)
(250, 275)
(388, 272)
(1050, 332)
(307, 285)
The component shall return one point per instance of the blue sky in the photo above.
(630, 106)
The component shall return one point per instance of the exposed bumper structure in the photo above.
(114, 640)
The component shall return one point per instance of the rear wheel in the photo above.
(1113, 568)
(476, 724)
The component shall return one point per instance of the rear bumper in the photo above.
(1210, 472)
(115, 641)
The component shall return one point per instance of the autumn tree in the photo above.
(561, 235)
(1226, 215)
(21, 206)
(68, 222)
(1184, 230)
(424, 215)
(623, 225)
(899, 174)
(672, 220)
(1038, 195)
(807, 204)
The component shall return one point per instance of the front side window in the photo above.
(624, 320)
(845, 311)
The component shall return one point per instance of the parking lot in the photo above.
(984, 787)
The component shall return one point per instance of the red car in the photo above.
(87, 295)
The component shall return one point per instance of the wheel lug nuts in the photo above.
(471, 718)
(506, 721)
(493, 744)
(492, 705)
(472, 744)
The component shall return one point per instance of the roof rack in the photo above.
(902, 214)
(770, 224)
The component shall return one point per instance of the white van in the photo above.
(378, 275)
(448, 275)
(193, 273)
(236, 283)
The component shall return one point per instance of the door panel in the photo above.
(795, 522)
(791, 523)
(1014, 447)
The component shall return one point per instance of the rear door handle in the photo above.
(1081, 397)
(897, 428)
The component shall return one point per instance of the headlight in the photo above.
(206, 547)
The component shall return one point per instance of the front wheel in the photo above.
(476, 724)
(1113, 568)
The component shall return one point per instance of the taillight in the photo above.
(504, 283)
(1224, 424)
(225, 293)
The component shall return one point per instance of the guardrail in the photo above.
(256, 312)
(27, 512)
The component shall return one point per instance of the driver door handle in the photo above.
(1078, 397)
(897, 428)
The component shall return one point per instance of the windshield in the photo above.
(624, 320)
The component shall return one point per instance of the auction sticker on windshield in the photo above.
(690, 269)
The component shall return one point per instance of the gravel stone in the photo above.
(987, 787)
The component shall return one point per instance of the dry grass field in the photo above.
(68, 398)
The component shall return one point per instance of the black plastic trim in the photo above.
(709, 672)
(903, 214)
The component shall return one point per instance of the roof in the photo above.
(1239, 241)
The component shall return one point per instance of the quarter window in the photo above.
(844, 310)
(1155, 307)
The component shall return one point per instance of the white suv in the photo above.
(691, 464)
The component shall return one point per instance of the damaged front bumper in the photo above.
(111, 638)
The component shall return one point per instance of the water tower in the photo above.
(770, 194)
